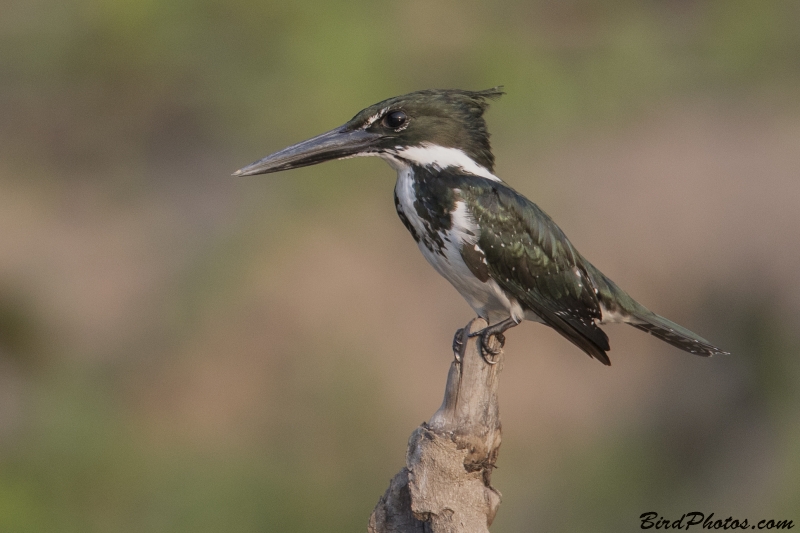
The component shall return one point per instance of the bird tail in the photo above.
(619, 304)
(674, 334)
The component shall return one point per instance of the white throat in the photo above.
(438, 157)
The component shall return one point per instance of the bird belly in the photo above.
(487, 298)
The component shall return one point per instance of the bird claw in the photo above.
(458, 344)
(491, 344)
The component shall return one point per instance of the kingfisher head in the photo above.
(434, 127)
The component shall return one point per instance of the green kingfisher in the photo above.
(505, 255)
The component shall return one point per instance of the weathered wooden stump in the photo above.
(445, 486)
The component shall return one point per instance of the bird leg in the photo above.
(487, 349)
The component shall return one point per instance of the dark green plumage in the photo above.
(445, 117)
(531, 258)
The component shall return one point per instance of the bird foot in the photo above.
(491, 344)
(458, 344)
(493, 340)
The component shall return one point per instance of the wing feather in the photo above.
(529, 256)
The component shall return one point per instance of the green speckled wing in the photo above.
(531, 258)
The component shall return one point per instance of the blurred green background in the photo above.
(181, 350)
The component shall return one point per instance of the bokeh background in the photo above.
(181, 350)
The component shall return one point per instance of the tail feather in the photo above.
(674, 334)
(620, 304)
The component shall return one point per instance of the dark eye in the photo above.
(395, 119)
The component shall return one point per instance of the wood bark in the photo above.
(445, 486)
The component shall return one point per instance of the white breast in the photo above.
(486, 298)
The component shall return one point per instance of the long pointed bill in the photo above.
(335, 144)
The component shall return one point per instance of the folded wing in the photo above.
(529, 256)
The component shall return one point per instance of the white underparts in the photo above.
(487, 298)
